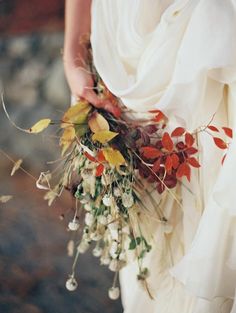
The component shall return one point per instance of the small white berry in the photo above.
(71, 284)
(73, 225)
(114, 293)
(113, 249)
(95, 236)
(87, 207)
(83, 246)
(127, 200)
(105, 260)
(89, 219)
(102, 219)
(116, 192)
(114, 265)
(113, 226)
(107, 200)
(97, 252)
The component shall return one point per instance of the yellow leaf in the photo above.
(97, 122)
(16, 166)
(113, 156)
(76, 114)
(104, 136)
(68, 135)
(5, 199)
(40, 126)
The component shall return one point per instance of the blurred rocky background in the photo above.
(33, 256)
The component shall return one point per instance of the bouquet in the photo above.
(110, 163)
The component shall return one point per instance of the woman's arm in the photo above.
(77, 32)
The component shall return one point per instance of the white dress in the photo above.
(180, 57)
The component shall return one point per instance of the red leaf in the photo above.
(175, 160)
(160, 187)
(158, 117)
(100, 156)
(178, 131)
(228, 131)
(99, 170)
(194, 162)
(213, 128)
(167, 142)
(90, 157)
(189, 140)
(156, 165)
(191, 150)
(223, 159)
(183, 170)
(220, 143)
(168, 164)
(150, 152)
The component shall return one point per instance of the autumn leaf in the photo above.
(76, 114)
(167, 142)
(175, 160)
(68, 136)
(220, 143)
(16, 166)
(156, 165)
(228, 131)
(191, 150)
(183, 170)
(189, 140)
(90, 157)
(104, 136)
(213, 128)
(99, 170)
(113, 156)
(5, 198)
(194, 162)
(100, 156)
(150, 152)
(168, 164)
(39, 126)
(97, 122)
(158, 117)
(178, 131)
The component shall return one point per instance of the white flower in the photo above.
(114, 293)
(113, 249)
(95, 236)
(114, 234)
(105, 260)
(113, 226)
(102, 219)
(87, 207)
(122, 256)
(117, 192)
(107, 200)
(106, 180)
(89, 219)
(73, 225)
(83, 246)
(97, 252)
(127, 200)
(114, 265)
(71, 284)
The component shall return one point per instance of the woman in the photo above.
(179, 57)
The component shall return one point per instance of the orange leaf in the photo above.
(194, 162)
(228, 131)
(100, 156)
(159, 117)
(168, 164)
(191, 150)
(99, 170)
(156, 165)
(220, 143)
(90, 157)
(150, 152)
(167, 142)
(213, 128)
(178, 131)
(189, 140)
(175, 160)
(183, 170)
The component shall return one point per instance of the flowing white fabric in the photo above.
(180, 57)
